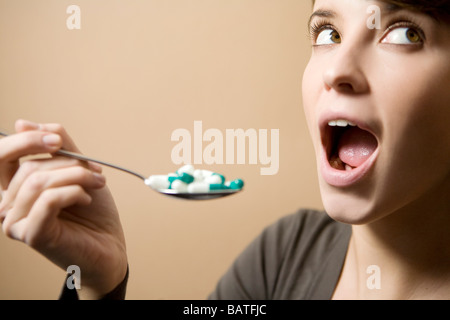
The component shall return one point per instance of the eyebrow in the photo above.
(388, 8)
(392, 8)
(322, 14)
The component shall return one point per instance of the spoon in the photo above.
(213, 194)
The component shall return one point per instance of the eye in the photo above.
(403, 36)
(327, 36)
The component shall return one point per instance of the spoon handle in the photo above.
(84, 158)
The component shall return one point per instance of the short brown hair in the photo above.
(438, 9)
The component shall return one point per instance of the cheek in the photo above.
(310, 92)
(415, 154)
(413, 102)
(416, 148)
(415, 114)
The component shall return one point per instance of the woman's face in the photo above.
(377, 101)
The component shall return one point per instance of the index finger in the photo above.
(19, 145)
(67, 142)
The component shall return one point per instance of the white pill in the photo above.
(201, 175)
(214, 179)
(198, 187)
(198, 175)
(158, 182)
(188, 168)
(179, 186)
(207, 173)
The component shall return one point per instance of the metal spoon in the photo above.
(213, 194)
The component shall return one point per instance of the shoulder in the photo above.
(305, 225)
(311, 249)
(285, 259)
(304, 216)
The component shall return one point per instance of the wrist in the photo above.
(116, 291)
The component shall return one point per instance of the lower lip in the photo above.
(344, 178)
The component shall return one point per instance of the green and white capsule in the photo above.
(186, 179)
(160, 182)
(204, 187)
(208, 176)
(183, 176)
(215, 178)
(188, 168)
(236, 184)
(200, 174)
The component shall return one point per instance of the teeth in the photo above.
(340, 123)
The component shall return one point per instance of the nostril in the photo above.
(345, 88)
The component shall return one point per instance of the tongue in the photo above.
(356, 146)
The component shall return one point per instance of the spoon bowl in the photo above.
(213, 194)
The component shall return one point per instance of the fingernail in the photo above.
(100, 178)
(52, 140)
(22, 124)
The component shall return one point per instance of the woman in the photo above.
(393, 83)
(377, 101)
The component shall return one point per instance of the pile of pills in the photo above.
(190, 180)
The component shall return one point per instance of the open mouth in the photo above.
(348, 146)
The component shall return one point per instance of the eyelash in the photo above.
(320, 24)
(405, 23)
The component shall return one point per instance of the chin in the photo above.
(348, 207)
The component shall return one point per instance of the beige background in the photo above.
(136, 71)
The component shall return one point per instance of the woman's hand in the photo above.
(61, 207)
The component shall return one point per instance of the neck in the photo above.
(409, 249)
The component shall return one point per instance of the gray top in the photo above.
(299, 257)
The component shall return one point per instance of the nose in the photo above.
(345, 72)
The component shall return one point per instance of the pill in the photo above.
(204, 187)
(179, 186)
(236, 184)
(188, 179)
(185, 177)
(215, 178)
(188, 168)
(198, 187)
(158, 182)
(217, 186)
(200, 174)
